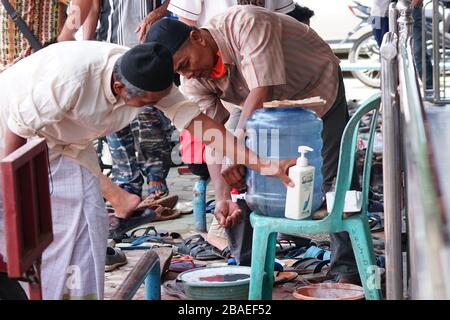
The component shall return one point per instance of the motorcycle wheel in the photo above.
(365, 49)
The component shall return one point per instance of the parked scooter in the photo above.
(365, 48)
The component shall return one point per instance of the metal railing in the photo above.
(436, 37)
(392, 167)
(404, 122)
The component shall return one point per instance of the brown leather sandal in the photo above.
(164, 213)
(168, 202)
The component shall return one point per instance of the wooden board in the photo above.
(27, 211)
(306, 103)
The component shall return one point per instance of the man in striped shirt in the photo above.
(248, 56)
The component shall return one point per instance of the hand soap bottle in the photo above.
(299, 198)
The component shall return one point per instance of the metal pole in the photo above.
(153, 283)
(444, 50)
(200, 205)
(436, 57)
(405, 20)
(405, 27)
(392, 167)
(393, 16)
(424, 52)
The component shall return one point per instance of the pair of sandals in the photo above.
(150, 210)
(198, 248)
(311, 261)
(139, 237)
(319, 250)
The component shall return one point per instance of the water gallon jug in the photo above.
(276, 133)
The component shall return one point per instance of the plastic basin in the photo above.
(217, 283)
(330, 291)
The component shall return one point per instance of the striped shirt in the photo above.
(45, 19)
(261, 48)
(119, 19)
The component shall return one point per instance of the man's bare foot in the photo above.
(126, 205)
(123, 203)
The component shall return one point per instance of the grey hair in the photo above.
(131, 90)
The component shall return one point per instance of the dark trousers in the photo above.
(142, 151)
(343, 261)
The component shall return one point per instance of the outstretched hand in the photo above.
(279, 169)
(228, 213)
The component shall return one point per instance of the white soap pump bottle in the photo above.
(299, 198)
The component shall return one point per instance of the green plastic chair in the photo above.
(265, 228)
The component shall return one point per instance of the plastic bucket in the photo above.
(330, 291)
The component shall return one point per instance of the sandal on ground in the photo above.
(184, 264)
(317, 253)
(198, 248)
(298, 240)
(284, 276)
(150, 234)
(174, 288)
(310, 266)
(376, 222)
(164, 213)
(163, 240)
(210, 206)
(284, 246)
(166, 201)
(118, 226)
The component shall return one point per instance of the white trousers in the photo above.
(73, 265)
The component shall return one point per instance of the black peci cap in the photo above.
(148, 66)
(170, 33)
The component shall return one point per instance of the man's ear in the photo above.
(197, 37)
(118, 87)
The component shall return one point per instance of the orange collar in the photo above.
(219, 69)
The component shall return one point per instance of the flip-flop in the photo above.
(284, 276)
(184, 264)
(151, 232)
(169, 202)
(174, 288)
(376, 222)
(172, 238)
(197, 247)
(164, 213)
(185, 207)
(284, 246)
(210, 206)
(318, 253)
(310, 266)
(119, 227)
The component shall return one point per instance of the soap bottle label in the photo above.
(307, 187)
